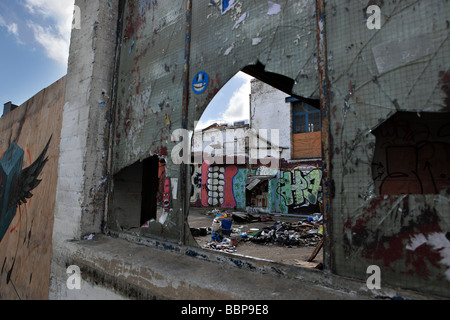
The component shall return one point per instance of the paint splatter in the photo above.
(274, 8)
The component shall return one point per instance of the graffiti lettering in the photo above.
(411, 154)
(226, 187)
(297, 188)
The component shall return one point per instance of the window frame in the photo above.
(309, 110)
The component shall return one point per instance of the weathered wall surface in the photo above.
(375, 74)
(175, 58)
(26, 243)
(83, 159)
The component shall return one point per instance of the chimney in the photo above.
(8, 107)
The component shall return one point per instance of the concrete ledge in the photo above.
(120, 268)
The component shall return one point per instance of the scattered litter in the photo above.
(304, 234)
(226, 231)
(89, 237)
(256, 41)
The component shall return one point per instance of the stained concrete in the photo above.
(119, 268)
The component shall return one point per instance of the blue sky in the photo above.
(230, 104)
(35, 38)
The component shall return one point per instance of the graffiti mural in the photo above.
(196, 180)
(300, 187)
(239, 182)
(16, 184)
(289, 191)
(216, 186)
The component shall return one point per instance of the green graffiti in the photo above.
(297, 189)
(239, 181)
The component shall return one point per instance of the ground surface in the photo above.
(293, 255)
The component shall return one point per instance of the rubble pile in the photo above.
(302, 234)
(225, 237)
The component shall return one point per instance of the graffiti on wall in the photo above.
(301, 187)
(408, 241)
(412, 154)
(16, 184)
(225, 187)
(216, 186)
(196, 181)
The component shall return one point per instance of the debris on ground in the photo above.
(289, 234)
(226, 231)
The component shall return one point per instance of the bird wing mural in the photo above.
(16, 184)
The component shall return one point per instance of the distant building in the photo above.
(8, 107)
(284, 135)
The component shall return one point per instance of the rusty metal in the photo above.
(326, 142)
(184, 170)
(111, 120)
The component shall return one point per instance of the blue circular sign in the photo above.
(200, 82)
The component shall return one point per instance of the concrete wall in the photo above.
(26, 244)
(154, 98)
(83, 160)
(376, 74)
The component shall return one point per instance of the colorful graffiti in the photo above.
(16, 184)
(239, 190)
(290, 190)
(299, 188)
(166, 195)
(217, 186)
(196, 180)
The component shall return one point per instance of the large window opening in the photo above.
(254, 209)
(412, 154)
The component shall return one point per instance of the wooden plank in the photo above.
(26, 248)
(307, 145)
(316, 251)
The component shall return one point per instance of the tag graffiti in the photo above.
(298, 188)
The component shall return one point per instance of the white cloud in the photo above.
(55, 36)
(12, 28)
(56, 47)
(239, 105)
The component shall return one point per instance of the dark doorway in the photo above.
(150, 188)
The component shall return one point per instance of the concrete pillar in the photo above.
(82, 173)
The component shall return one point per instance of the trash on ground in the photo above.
(225, 236)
